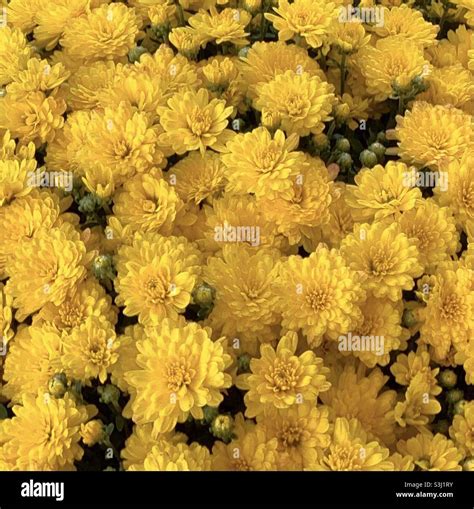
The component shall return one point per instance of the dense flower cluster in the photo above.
(236, 235)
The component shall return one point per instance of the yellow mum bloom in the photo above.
(186, 40)
(392, 62)
(303, 102)
(180, 457)
(348, 37)
(245, 302)
(44, 434)
(408, 366)
(180, 371)
(107, 32)
(319, 294)
(351, 449)
(15, 179)
(448, 318)
(431, 452)
(198, 177)
(308, 19)
(300, 431)
(33, 117)
(227, 26)
(434, 230)
(90, 350)
(262, 164)
(148, 204)
(407, 23)
(282, 379)
(433, 135)
(45, 268)
(92, 432)
(307, 206)
(14, 54)
(192, 122)
(265, 60)
(251, 451)
(34, 357)
(385, 258)
(382, 192)
(156, 276)
(356, 394)
(22, 13)
(462, 430)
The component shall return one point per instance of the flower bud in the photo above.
(135, 54)
(368, 158)
(448, 379)
(57, 385)
(92, 432)
(343, 144)
(222, 427)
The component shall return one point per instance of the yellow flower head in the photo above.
(156, 276)
(260, 163)
(192, 122)
(282, 379)
(92, 432)
(431, 452)
(180, 371)
(169, 457)
(227, 26)
(462, 430)
(319, 294)
(348, 37)
(107, 32)
(14, 54)
(392, 62)
(382, 192)
(386, 258)
(44, 433)
(307, 19)
(303, 102)
(433, 135)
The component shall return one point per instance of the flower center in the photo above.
(467, 196)
(241, 464)
(283, 377)
(344, 458)
(267, 158)
(200, 122)
(290, 436)
(149, 206)
(452, 308)
(155, 290)
(296, 105)
(380, 263)
(318, 300)
(178, 375)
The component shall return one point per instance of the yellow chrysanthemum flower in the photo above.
(198, 177)
(302, 102)
(392, 62)
(433, 135)
(90, 350)
(407, 23)
(320, 295)
(22, 13)
(356, 394)
(262, 164)
(46, 268)
(386, 259)
(180, 371)
(434, 230)
(107, 32)
(351, 449)
(92, 432)
(307, 19)
(462, 430)
(300, 431)
(431, 452)
(156, 276)
(169, 457)
(382, 192)
(14, 54)
(44, 434)
(226, 26)
(244, 307)
(348, 37)
(34, 357)
(282, 379)
(192, 122)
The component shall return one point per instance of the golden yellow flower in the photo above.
(462, 430)
(92, 432)
(192, 122)
(14, 54)
(169, 457)
(282, 379)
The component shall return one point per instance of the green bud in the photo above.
(243, 363)
(57, 385)
(459, 407)
(343, 144)
(381, 137)
(368, 158)
(103, 267)
(109, 394)
(89, 203)
(210, 413)
(244, 52)
(135, 54)
(454, 395)
(409, 319)
(378, 149)
(448, 378)
(222, 427)
(203, 295)
(344, 161)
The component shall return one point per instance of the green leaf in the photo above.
(3, 412)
